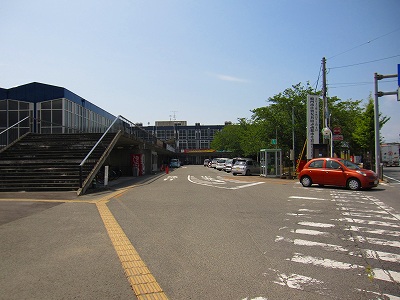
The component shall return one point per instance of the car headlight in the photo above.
(361, 172)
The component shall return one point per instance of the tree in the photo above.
(274, 120)
(343, 114)
(228, 139)
(364, 130)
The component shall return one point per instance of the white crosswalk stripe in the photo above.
(373, 230)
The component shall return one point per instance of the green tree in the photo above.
(364, 130)
(228, 139)
(343, 114)
(274, 120)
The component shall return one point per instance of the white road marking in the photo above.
(386, 275)
(213, 183)
(366, 222)
(322, 262)
(170, 178)
(314, 224)
(310, 232)
(309, 198)
(374, 231)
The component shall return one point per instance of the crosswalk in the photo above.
(361, 236)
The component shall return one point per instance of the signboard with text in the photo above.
(312, 123)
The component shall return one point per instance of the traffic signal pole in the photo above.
(376, 119)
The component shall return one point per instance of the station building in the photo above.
(43, 108)
(53, 109)
(192, 142)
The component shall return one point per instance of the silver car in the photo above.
(228, 165)
(221, 164)
(246, 166)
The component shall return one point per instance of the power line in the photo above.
(319, 76)
(363, 63)
(366, 43)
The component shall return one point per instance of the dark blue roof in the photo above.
(37, 92)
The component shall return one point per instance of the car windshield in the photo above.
(240, 162)
(349, 164)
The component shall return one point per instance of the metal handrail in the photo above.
(14, 124)
(91, 151)
(98, 142)
(8, 139)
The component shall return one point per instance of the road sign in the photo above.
(338, 137)
(273, 141)
(337, 130)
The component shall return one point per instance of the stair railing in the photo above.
(5, 138)
(93, 148)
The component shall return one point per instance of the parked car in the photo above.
(228, 165)
(206, 161)
(174, 163)
(337, 172)
(246, 166)
(220, 164)
(214, 162)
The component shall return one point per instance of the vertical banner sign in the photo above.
(312, 124)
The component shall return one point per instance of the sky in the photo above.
(204, 61)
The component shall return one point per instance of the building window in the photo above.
(204, 144)
(169, 134)
(11, 113)
(191, 134)
(182, 134)
(204, 133)
(192, 144)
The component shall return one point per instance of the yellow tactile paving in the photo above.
(139, 276)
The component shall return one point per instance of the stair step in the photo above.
(49, 161)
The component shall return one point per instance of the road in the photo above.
(392, 174)
(205, 234)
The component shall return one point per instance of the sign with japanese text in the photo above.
(312, 123)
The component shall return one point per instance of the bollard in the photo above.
(166, 169)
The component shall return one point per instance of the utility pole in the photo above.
(325, 115)
(325, 101)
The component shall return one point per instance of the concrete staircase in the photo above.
(50, 162)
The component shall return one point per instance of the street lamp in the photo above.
(328, 133)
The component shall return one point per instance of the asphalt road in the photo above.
(205, 234)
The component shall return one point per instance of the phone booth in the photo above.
(271, 162)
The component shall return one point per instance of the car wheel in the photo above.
(247, 172)
(306, 181)
(353, 184)
(234, 174)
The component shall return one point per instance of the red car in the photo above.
(337, 172)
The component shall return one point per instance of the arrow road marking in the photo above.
(170, 178)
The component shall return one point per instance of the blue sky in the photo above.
(206, 61)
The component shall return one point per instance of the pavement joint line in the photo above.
(143, 283)
(44, 200)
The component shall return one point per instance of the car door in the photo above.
(334, 174)
(316, 171)
(253, 167)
